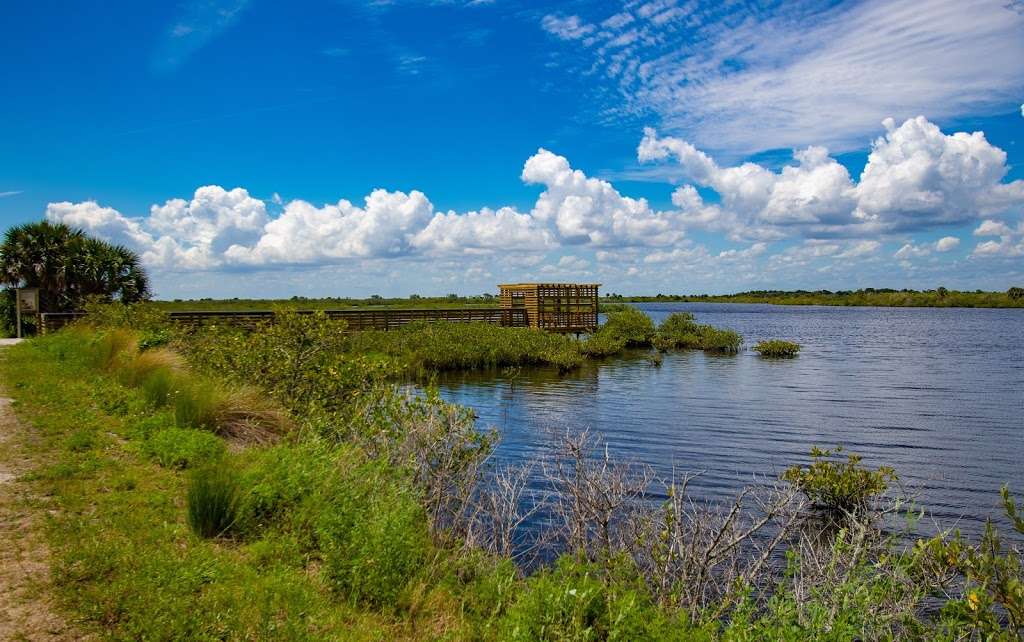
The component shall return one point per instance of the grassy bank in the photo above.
(367, 514)
(938, 298)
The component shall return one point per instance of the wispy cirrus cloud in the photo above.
(10, 193)
(739, 79)
(199, 22)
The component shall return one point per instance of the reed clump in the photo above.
(212, 500)
(146, 363)
(242, 414)
(777, 348)
(110, 348)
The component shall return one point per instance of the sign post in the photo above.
(27, 300)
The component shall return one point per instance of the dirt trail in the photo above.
(27, 611)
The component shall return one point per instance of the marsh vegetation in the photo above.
(777, 348)
(278, 484)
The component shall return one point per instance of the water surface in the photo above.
(936, 393)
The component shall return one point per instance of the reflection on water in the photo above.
(936, 393)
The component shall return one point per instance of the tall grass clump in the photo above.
(777, 348)
(213, 500)
(158, 387)
(109, 348)
(146, 363)
(240, 413)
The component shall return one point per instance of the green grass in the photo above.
(183, 448)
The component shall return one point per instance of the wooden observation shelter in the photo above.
(558, 307)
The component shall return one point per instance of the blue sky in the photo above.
(253, 148)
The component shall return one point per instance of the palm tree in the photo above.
(67, 266)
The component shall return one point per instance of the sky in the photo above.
(248, 148)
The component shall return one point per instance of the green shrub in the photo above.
(679, 331)
(183, 447)
(677, 324)
(576, 601)
(602, 344)
(839, 486)
(288, 485)
(372, 556)
(777, 348)
(213, 500)
(154, 338)
(425, 347)
(631, 325)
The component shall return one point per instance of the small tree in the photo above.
(1015, 293)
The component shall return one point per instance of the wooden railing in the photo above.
(380, 319)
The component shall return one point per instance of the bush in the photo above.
(677, 324)
(183, 448)
(602, 344)
(213, 500)
(288, 485)
(299, 360)
(630, 325)
(679, 331)
(575, 601)
(839, 486)
(374, 542)
(426, 347)
(777, 348)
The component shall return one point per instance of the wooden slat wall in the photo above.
(560, 307)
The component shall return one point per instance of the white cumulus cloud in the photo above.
(916, 177)
(584, 210)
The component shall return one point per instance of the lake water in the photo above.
(936, 393)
